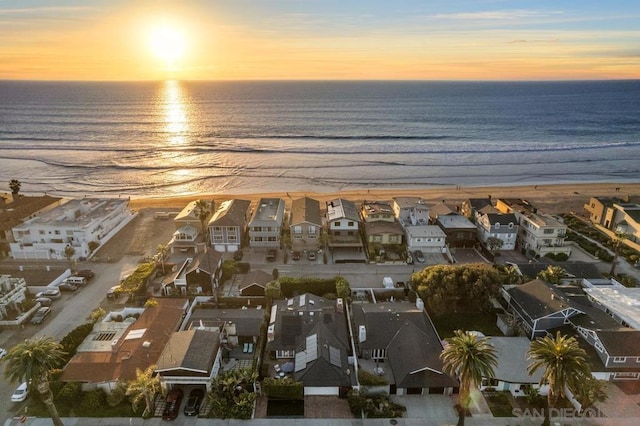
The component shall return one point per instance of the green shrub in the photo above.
(283, 388)
(70, 393)
(367, 379)
(74, 338)
(93, 400)
(343, 289)
(374, 406)
(117, 395)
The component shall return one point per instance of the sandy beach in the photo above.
(555, 198)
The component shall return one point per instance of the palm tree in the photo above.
(589, 390)
(618, 243)
(15, 185)
(31, 361)
(162, 251)
(564, 363)
(553, 274)
(471, 358)
(203, 214)
(144, 387)
(69, 252)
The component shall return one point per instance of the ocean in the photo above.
(169, 138)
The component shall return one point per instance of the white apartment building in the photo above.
(75, 223)
(266, 223)
(539, 233)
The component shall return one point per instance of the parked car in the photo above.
(21, 393)
(40, 315)
(67, 287)
(419, 256)
(238, 255)
(295, 255)
(44, 301)
(311, 255)
(192, 407)
(86, 273)
(76, 280)
(271, 255)
(3, 352)
(172, 404)
(51, 292)
(114, 292)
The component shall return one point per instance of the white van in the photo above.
(76, 280)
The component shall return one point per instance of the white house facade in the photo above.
(74, 224)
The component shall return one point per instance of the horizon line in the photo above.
(319, 80)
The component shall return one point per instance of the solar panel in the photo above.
(301, 361)
(312, 348)
(334, 357)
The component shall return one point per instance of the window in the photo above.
(272, 239)
(231, 237)
(57, 232)
(297, 236)
(549, 231)
(217, 238)
(257, 239)
(336, 233)
(599, 347)
(497, 225)
(41, 232)
(336, 223)
(257, 228)
(350, 233)
(312, 229)
(312, 236)
(350, 224)
(297, 229)
(217, 228)
(619, 359)
(510, 225)
(69, 233)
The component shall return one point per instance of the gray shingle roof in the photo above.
(192, 350)
(306, 210)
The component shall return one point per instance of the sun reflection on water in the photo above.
(175, 113)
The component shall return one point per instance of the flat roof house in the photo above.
(73, 224)
(16, 210)
(266, 223)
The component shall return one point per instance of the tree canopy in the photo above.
(458, 288)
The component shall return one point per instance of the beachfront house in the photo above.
(266, 223)
(539, 233)
(14, 210)
(381, 229)
(410, 210)
(343, 224)
(500, 226)
(228, 225)
(190, 215)
(306, 224)
(79, 223)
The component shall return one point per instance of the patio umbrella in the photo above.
(288, 367)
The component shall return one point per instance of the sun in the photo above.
(168, 43)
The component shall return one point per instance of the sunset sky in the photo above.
(319, 39)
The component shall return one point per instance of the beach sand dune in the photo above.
(552, 198)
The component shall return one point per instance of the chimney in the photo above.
(362, 334)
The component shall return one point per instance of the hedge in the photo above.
(137, 281)
(291, 286)
(283, 388)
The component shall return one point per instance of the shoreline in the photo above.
(554, 198)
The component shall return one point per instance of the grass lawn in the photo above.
(484, 322)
